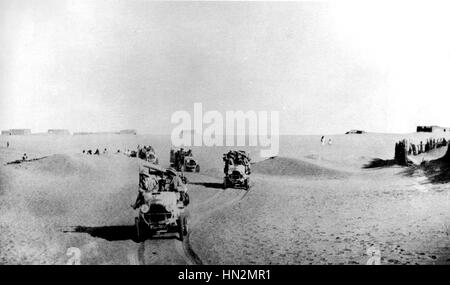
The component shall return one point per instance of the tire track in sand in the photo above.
(184, 249)
(223, 198)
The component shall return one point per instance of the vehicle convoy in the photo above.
(147, 153)
(183, 160)
(163, 205)
(237, 169)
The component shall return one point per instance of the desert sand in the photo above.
(312, 204)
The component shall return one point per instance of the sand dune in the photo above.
(59, 165)
(294, 167)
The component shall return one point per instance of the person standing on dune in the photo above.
(322, 140)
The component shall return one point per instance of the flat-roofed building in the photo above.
(432, 129)
(58, 132)
(127, 132)
(16, 132)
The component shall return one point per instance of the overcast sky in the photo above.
(327, 68)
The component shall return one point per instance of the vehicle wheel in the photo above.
(139, 232)
(247, 184)
(180, 224)
(185, 232)
(197, 168)
(186, 199)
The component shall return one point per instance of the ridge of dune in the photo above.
(284, 166)
(60, 165)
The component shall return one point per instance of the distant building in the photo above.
(58, 132)
(81, 133)
(16, 132)
(432, 129)
(127, 132)
(355, 132)
(93, 133)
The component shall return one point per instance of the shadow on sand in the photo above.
(379, 163)
(436, 171)
(115, 233)
(214, 185)
(110, 233)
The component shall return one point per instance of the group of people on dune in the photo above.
(322, 140)
(97, 152)
(141, 152)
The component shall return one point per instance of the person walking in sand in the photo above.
(329, 142)
(322, 140)
(7, 144)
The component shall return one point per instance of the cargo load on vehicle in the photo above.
(237, 169)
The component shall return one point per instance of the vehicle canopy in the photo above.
(151, 168)
(236, 157)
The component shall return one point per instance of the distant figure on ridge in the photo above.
(7, 144)
(322, 140)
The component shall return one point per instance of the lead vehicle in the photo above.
(162, 212)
